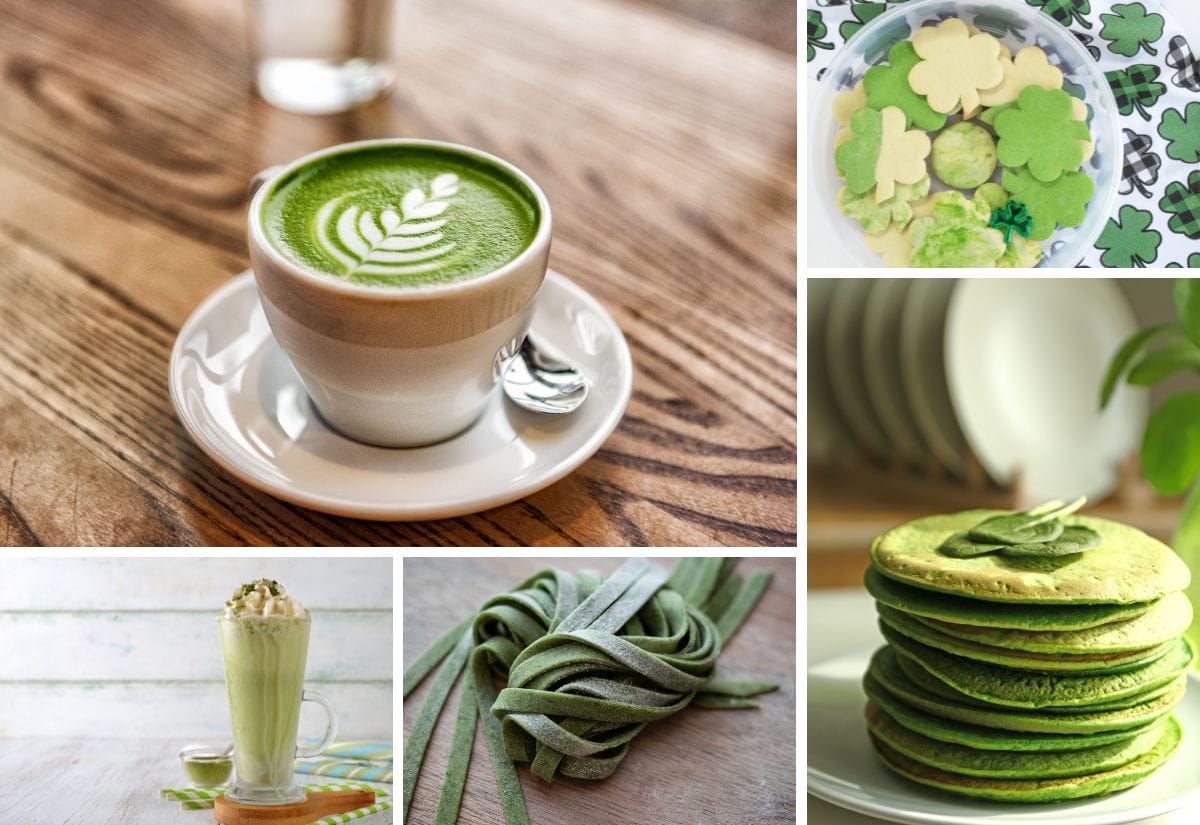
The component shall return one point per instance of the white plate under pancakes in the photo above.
(240, 400)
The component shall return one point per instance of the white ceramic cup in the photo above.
(391, 365)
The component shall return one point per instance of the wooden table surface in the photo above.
(128, 133)
(697, 768)
(106, 782)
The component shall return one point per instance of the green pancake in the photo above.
(1036, 790)
(1024, 660)
(1128, 566)
(984, 738)
(994, 764)
(1165, 620)
(937, 687)
(1027, 689)
(886, 670)
(934, 605)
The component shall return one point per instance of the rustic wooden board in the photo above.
(104, 782)
(316, 805)
(667, 149)
(700, 766)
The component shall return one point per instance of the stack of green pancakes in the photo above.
(1031, 677)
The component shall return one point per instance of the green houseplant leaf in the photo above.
(1186, 296)
(1125, 355)
(1171, 446)
(1157, 365)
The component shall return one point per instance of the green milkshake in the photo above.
(264, 645)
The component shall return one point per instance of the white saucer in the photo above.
(240, 400)
(843, 768)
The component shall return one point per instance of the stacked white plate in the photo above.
(926, 373)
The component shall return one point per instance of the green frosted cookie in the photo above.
(1021, 253)
(964, 155)
(957, 235)
(991, 195)
(877, 217)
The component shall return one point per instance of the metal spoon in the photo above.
(541, 383)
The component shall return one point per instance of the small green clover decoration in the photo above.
(1041, 133)
(1012, 217)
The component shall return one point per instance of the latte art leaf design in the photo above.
(403, 241)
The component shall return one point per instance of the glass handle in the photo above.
(330, 729)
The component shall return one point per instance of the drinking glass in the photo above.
(264, 658)
(320, 56)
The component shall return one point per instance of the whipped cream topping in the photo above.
(265, 598)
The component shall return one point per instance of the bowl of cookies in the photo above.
(961, 133)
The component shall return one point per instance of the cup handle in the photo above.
(330, 729)
(261, 178)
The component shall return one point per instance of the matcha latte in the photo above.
(400, 215)
(1030, 657)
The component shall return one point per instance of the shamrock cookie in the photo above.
(991, 195)
(957, 235)
(877, 217)
(881, 153)
(901, 155)
(893, 244)
(954, 65)
(846, 103)
(963, 156)
(1029, 68)
(887, 85)
(1062, 201)
(857, 156)
(1041, 133)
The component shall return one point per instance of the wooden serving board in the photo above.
(317, 805)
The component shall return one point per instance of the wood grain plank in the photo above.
(696, 767)
(667, 149)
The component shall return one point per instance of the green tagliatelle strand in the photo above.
(586, 664)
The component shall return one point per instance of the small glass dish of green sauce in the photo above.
(206, 766)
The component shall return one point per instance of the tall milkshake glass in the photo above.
(264, 646)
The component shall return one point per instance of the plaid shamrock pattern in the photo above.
(1155, 79)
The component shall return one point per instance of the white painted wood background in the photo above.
(127, 647)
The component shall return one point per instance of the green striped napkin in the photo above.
(194, 799)
(369, 761)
